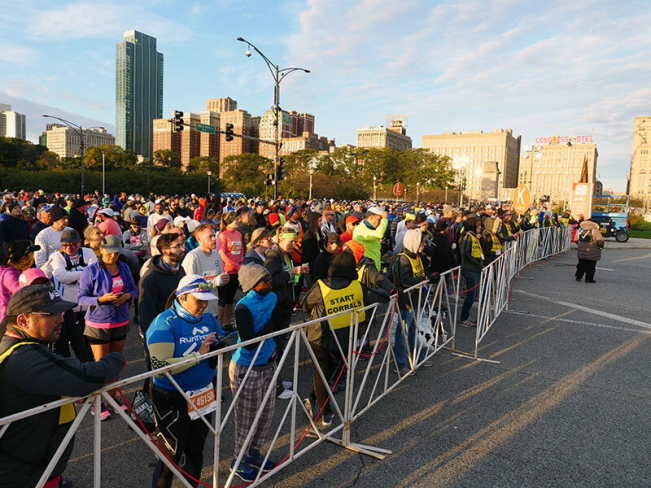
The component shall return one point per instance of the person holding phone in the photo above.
(106, 289)
(181, 331)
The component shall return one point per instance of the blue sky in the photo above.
(541, 68)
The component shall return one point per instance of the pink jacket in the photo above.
(231, 250)
(8, 286)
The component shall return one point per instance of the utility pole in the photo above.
(103, 174)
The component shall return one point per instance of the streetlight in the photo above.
(374, 189)
(209, 175)
(497, 181)
(459, 164)
(82, 147)
(311, 166)
(278, 75)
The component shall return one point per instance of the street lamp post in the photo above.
(497, 181)
(278, 75)
(209, 175)
(103, 174)
(82, 145)
(374, 189)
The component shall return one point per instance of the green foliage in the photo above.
(245, 173)
(203, 164)
(637, 222)
(114, 157)
(14, 150)
(167, 158)
(143, 180)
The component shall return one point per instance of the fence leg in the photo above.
(97, 444)
(218, 421)
(345, 441)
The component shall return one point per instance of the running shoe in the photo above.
(245, 471)
(256, 460)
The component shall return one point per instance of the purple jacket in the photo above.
(95, 281)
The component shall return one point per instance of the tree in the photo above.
(115, 157)
(203, 164)
(47, 160)
(421, 170)
(245, 173)
(167, 158)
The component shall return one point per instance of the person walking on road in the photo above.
(589, 247)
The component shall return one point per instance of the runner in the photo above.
(183, 330)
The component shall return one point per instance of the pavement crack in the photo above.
(359, 471)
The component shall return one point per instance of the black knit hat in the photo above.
(343, 266)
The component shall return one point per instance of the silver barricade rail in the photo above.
(495, 283)
(369, 376)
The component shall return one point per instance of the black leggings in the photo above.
(183, 437)
(587, 267)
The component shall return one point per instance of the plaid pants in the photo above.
(249, 402)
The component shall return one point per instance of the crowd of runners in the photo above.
(188, 271)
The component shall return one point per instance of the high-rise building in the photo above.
(65, 141)
(12, 124)
(394, 137)
(221, 104)
(243, 124)
(549, 170)
(639, 183)
(138, 91)
(474, 152)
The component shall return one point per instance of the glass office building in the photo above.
(138, 91)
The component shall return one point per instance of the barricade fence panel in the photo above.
(496, 277)
(360, 365)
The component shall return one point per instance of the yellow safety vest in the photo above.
(67, 413)
(360, 272)
(565, 221)
(476, 251)
(417, 267)
(349, 298)
(496, 243)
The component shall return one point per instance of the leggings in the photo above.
(184, 438)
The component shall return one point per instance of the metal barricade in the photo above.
(495, 282)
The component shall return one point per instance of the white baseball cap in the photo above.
(179, 221)
(376, 210)
(107, 211)
(197, 286)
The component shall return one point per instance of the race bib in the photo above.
(204, 400)
(236, 248)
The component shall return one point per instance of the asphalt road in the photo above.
(567, 404)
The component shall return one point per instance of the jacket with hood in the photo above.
(156, 286)
(403, 274)
(371, 277)
(341, 274)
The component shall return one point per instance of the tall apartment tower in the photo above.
(639, 184)
(138, 91)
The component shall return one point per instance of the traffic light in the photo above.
(269, 180)
(229, 132)
(178, 121)
(280, 170)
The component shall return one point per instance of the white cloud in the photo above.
(13, 53)
(101, 20)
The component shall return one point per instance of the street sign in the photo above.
(398, 190)
(206, 128)
(521, 199)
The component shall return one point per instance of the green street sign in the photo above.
(206, 128)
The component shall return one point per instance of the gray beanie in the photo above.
(70, 235)
(250, 274)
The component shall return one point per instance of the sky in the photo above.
(540, 68)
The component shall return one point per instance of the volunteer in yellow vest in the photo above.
(31, 375)
(340, 291)
(472, 260)
(407, 270)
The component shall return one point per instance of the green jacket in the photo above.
(372, 239)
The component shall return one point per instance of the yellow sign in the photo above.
(521, 199)
(335, 301)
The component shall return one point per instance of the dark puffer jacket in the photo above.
(588, 248)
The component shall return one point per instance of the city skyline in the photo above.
(450, 66)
